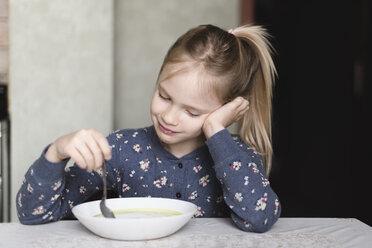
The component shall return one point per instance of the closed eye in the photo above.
(192, 114)
(163, 97)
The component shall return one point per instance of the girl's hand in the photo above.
(224, 116)
(87, 147)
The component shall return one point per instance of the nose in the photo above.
(170, 116)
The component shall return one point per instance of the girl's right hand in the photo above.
(87, 147)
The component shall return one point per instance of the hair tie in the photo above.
(231, 31)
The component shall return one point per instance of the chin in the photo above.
(167, 139)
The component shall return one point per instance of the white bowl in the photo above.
(134, 227)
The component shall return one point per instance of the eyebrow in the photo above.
(184, 105)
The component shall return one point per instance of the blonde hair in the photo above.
(240, 64)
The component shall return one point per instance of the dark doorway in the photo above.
(321, 128)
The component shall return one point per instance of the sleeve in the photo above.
(50, 190)
(254, 205)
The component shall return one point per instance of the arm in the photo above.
(49, 191)
(254, 205)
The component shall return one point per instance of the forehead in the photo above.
(189, 85)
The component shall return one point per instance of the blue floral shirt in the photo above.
(223, 178)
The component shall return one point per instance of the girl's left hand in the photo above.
(224, 116)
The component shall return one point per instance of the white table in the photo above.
(213, 232)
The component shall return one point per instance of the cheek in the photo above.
(156, 106)
(196, 124)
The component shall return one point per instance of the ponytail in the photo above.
(255, 126)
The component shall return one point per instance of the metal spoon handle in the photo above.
(104, 180)
(106, 212)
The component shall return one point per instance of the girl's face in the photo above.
(179, 108)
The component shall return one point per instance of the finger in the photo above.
(238, 100)
(234, 105)
(104, 146)
(241, 114)
(245, 106)
(79, 160)
(240, 103)
(246, 102)
(87, 156)
(95, 151)
(243, 101)
(242, 110)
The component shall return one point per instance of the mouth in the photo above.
(166, 130)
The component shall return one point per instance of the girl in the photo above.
(209, 79)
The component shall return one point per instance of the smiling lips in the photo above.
(166, 130)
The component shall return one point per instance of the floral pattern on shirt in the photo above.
(223, 178)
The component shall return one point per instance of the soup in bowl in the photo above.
(136, 218)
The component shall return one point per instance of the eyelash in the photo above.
(163, 97)
(188, 112)
(192, 115)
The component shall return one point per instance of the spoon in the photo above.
(106, 212)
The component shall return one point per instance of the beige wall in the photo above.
(4, 43)
(144, 32)
(61, 74)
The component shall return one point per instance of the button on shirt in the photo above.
(223, 178)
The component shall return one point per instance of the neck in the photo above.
(181, 149)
